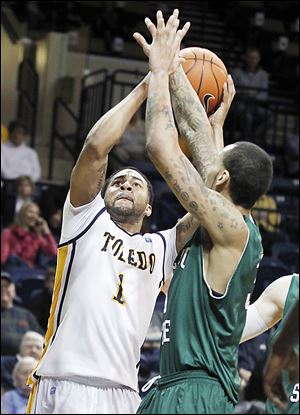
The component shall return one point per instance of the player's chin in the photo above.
(123, 210)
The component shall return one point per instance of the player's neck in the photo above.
(128, 227)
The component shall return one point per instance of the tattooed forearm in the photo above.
(190, 186)
(159, 114)
(192, 122)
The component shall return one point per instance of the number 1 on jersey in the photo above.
(119, 296)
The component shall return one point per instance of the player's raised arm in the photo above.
(212, 210)
(267, 310)
(205, 136)
(88, 174)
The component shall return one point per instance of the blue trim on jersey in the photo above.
(64, 289)
(162, 281)
(84, 231)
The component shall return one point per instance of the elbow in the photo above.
(93, 149)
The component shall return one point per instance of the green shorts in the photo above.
(187, 392)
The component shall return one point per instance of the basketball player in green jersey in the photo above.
(273, 305)
(205, 309)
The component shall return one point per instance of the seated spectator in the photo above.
(252, 86)
(51, 204)
(17, 158)
(40, 300)
(15, 400)
(30, 234)
(15, 321)
(267, 221)
(31, 345)
(12, 203)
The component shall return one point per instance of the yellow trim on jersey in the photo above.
(62, 253)
(31, 398)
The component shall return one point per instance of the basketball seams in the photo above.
(191, 68)
(201, 78)
(212, 70)
(206, 60)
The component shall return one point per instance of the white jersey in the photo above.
(106, 285)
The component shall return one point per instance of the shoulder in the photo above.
(31, 151)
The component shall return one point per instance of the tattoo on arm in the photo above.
(101, 178)
(156, 109)
(193, 123)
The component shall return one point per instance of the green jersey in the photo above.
(202, 329)
(292, 389)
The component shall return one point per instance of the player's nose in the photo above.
(126, 186)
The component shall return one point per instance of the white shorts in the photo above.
(55, 396)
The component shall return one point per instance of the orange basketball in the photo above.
(207, 74)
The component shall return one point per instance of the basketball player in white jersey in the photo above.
(107, 281)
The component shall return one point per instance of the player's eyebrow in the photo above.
(124, 175)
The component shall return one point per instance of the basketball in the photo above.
(207, 74)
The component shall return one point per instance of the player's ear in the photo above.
(148, 210)
(222, 178)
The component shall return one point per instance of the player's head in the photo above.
(246, 170)
(128, 193)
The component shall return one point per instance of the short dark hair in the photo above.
(149, 185)
(13, 125)
(251, 172)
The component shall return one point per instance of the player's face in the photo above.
(127, 194)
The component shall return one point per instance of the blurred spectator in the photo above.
(30, 234)
(15, 321)
(4, 133)
(31, 345)
(51, 204)
(40, 300)
(17, 158)
(268, 221)
(252, 86)
(15, 401)
(12, 203)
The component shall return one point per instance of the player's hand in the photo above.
(218, 117)
(42, 226)
(163, 52)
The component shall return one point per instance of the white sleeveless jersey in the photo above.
(106, 285)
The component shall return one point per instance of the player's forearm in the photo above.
(161, 131)
(218, 137)
(192, 122)
(111, 126)
(289, 334)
